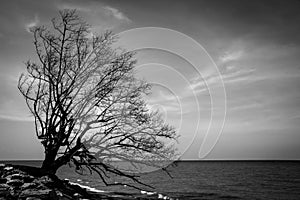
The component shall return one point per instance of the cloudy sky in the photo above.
(226, 74)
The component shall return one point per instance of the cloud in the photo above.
(32, 24)
(169, 102)
(165, 107)
(16, 118)
(246, 106)
(77, 7)
(116, 13)
(231, 56)
(239, 75)
(231, 75)
(14, 110)
(99, 15)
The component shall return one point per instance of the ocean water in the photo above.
(209, 180)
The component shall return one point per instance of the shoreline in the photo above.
(23, 182)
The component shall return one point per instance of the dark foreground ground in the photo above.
(25, 183)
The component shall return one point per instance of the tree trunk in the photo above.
(49, 165)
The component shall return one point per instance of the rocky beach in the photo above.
(27, 183)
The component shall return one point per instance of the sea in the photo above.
(193, 180)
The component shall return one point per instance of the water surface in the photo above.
(210, 180)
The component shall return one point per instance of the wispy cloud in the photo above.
(246, 106)
(16, 118)
(83, 8)
(232, 75)
(13, 110)
(32, 23)
(229, 70)
(116, 13)
(165, 101)
(99, 15)
(231, 56)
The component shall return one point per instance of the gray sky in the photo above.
(255, 45)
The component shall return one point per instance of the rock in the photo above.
(77, 195)
(3, 180)
(44, 180)
(58, 193)
(4, 190)
(33, 198)
(16, 177)
(28, 186)
(41, 194)
(10, 171)
(41, 187)
(53, 195)
(28, 179)
(14, 192)
(4, 194)
(8, 168)
(15, 183)
(66, 181)
(4, 186)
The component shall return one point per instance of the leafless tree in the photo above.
(88, 106)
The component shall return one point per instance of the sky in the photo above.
(226, 74)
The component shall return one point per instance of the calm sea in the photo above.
(211, 180)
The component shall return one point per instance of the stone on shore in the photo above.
(17, 183)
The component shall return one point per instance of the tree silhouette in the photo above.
(87, 104)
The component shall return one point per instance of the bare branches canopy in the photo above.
(87, 104)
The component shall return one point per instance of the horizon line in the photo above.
(179, 160)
